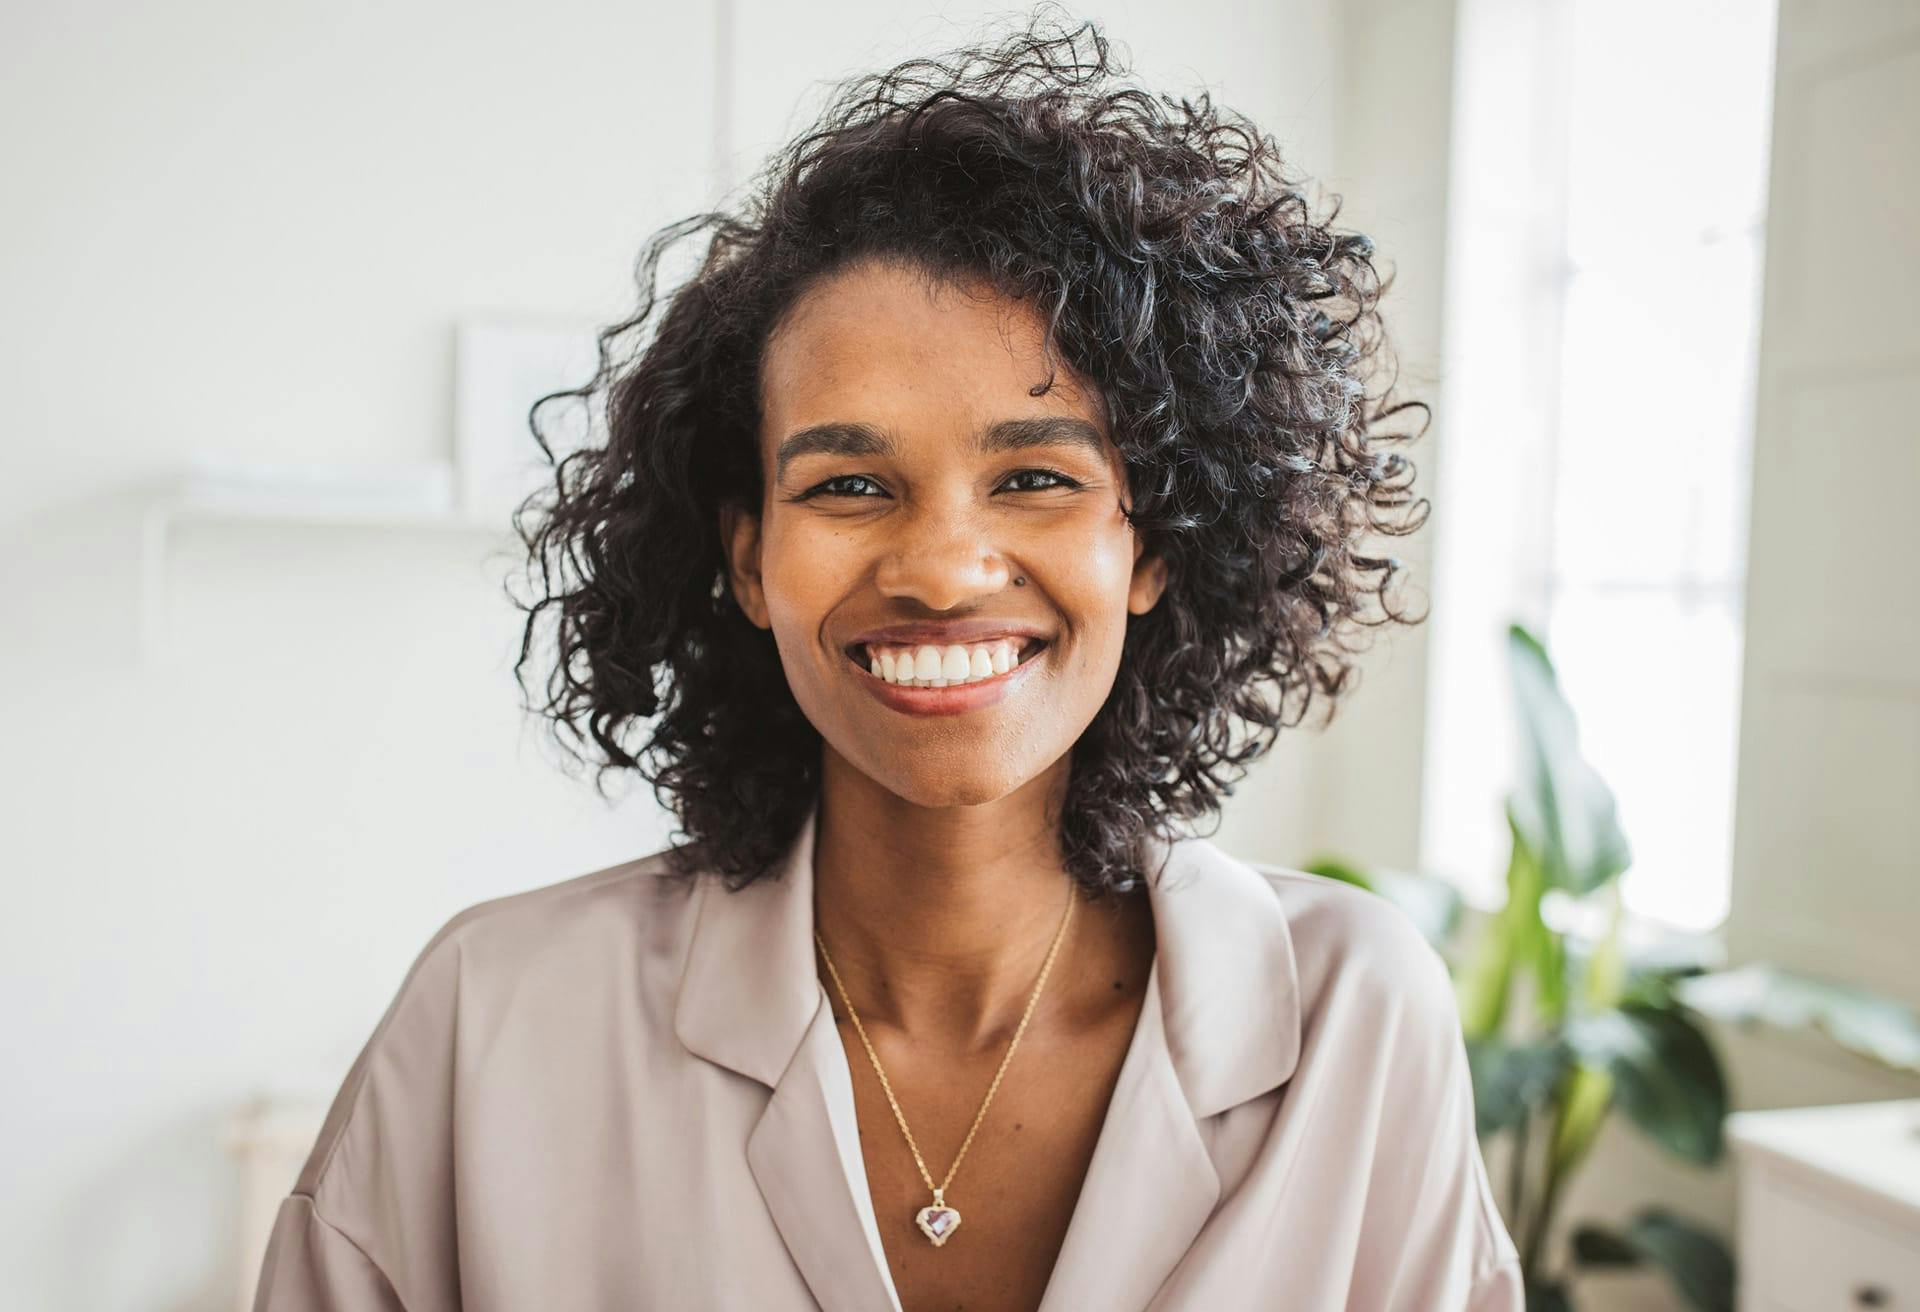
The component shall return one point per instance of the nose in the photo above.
(941, 558)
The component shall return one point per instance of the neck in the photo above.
(939, 919)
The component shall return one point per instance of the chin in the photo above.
(939, 792)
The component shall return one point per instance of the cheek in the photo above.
(804, 571)
(1089, 577)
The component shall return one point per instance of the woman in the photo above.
(984, 504)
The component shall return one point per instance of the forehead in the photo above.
(876, 342)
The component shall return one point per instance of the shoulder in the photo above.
(1353, 929)
(1363, 961)
(482, 962)
(642, 896)
(1382, 1030)
(497, 983)
(568, 937)
(637, 908)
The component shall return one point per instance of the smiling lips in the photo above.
(929, 666)
(984, 673)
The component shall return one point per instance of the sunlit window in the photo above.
(1610, 189)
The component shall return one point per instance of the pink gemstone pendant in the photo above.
(937, 1221)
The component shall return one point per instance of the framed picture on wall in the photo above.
(502, 365)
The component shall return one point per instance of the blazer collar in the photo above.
(1229, 986)
(1221, 1026)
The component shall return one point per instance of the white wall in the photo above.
(1358, 785)
(246, 230)
(1830, 721)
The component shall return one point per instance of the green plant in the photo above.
(1560, 1032)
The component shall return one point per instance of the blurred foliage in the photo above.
(1561, 1033)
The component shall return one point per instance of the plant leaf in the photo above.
(1536, 948)
(1695, 1260)
(1510, 1078)
(1699, 1265)
(1584, 1103)
(1604, 977)
(1548, 1296)
(1331, 867)
(1485, 980)
(1562, 805)
(1667, 1078)
(1597, 1246)
(1863, 1022)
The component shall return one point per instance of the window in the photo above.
(1609, 192)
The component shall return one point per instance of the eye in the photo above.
(1058, 480)
(836, 487)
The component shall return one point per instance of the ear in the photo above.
(1149, 579)
(740, 539)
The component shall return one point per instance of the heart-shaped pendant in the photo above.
(937, 1222)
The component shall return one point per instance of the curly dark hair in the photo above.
(1178, 266)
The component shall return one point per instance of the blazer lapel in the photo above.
(750, 1000)
(1220, 1025)
(805, 1155)
(1149, 1188)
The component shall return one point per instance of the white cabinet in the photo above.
(1829, 1207)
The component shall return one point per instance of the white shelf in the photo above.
(411, 497)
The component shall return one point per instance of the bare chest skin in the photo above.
(1018, 1185)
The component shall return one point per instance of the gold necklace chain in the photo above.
(938, 1221)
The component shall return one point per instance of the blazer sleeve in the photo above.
(369, 1224)
(1431, 1238)
(1499, 1288)
(312, 1267)
(1454, 1221)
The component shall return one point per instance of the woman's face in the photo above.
(924, 512)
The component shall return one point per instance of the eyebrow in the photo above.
(838, 438)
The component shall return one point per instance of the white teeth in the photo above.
(928, 666)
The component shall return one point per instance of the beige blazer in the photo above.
(616, 1092)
